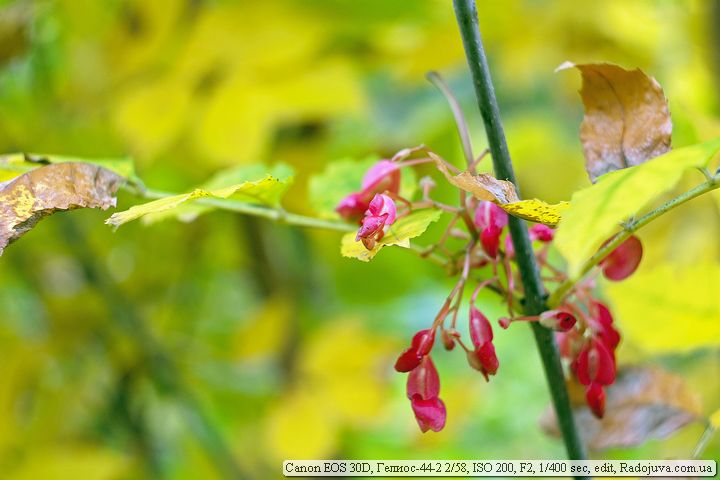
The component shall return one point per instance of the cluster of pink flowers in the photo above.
(584, 326)
(373, 206)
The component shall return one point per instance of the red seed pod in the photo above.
(624, 260)
(480, 328)
(595, 397)
(595, 364)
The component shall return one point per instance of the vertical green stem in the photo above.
(534, 302)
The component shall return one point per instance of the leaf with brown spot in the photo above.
(627, 120)
(28, 198)
(644, 403)
(483, 186)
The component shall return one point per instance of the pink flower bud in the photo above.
(383, 176)
(559, 320)
(424, 380)
(352, 207)
(604, 326)
(490, 240)
(541, 232)
(624, 260)
(429, 413)
(480, 328)
(420, 346)
(595, 397)
(483, 357)
(595, 364)
(488, 214)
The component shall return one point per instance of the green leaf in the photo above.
(399, 234)
(266, 191)
(15, 164)
(256, 192)
(596, 212)
(342, 177)
(670, 308)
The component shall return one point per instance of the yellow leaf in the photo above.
(300, 427)
(537, 211)
(266, 330)
(596, 212)
(352, 385)
(670, 308)
(264, 191)
(71, 461)
(151, 116)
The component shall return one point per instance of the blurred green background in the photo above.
(193, 350)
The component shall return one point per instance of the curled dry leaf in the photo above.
(28, 198)
(643, 404)
(484, 186)
(627, 120)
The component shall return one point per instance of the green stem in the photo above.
(275, 214)
(558, 295)
(534, 302)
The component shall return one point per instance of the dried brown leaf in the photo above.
(483, 186)
(627, 120)
(27, 199)
(644, 403)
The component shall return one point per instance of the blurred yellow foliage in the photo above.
(669, 308)
(341, 383)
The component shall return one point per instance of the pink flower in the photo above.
(490, 220)
(430, 413)
(483, 358)
(595, 364)
(423, 390)
(381, 213)
(603, 326)
(490, 240)
(488, 214)
(384, 176)
(541, 232)
(624, 260)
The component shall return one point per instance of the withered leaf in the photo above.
(644, 403)
(28, 198)
(627, 120)
(484, 186)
